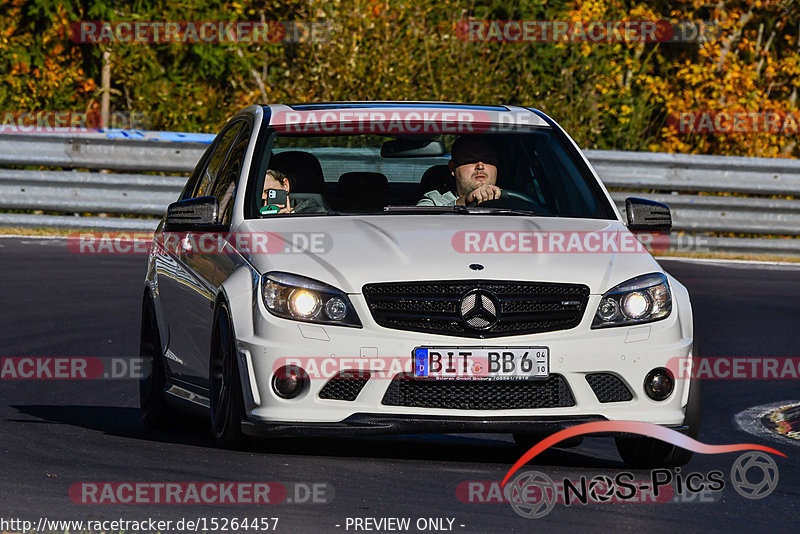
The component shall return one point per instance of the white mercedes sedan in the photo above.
(351, 268)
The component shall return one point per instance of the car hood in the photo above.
(350, 251)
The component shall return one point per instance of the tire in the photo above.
(155, 411)
(649, 453)
(225, 388)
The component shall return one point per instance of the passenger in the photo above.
(474, 166)
(277, 180)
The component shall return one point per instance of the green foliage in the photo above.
(614, 95)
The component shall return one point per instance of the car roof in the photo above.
(476, 113)
(394, 104)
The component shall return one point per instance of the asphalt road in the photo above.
(59, 432)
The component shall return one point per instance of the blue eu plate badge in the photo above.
(421, 362)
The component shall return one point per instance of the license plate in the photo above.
(450, 363)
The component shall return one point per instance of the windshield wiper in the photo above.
(461, 210)
(477, 210)
(426, 209)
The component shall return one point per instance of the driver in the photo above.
(474, 166)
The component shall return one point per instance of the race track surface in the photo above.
(56, 433)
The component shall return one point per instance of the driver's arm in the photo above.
(480, 194)
(435, 198)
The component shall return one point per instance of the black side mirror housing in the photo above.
(201, 213)
(647, 215)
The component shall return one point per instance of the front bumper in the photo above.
(362, 424)
(626, 352)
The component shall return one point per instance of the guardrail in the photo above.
(745, 206)
(690, 184)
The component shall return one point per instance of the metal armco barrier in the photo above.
(146, 152)
(705, 193)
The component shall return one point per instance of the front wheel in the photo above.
(226, 400)
(649, 453)
(153, 407)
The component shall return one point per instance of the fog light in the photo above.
(658, 384)
(289, 381)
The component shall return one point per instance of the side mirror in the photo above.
(647, 215)
(192, 214)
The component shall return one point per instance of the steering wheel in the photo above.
(512, 200)
(516, 195)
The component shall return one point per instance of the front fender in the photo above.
(239, 292)
(683, 304)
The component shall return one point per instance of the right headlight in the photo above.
(303, 299)
(639, 300)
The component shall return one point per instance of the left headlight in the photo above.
(639, 300)
(303, 299)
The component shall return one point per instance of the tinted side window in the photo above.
(215, 161)
(227, 180)
(573, 197)
(199, 169)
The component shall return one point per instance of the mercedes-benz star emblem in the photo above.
(480, 309)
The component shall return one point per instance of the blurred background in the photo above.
(617, 95)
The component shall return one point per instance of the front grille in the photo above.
(345, 385)
(517, 307)
(608, 387)
(405, 390)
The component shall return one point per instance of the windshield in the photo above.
(522, 173)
